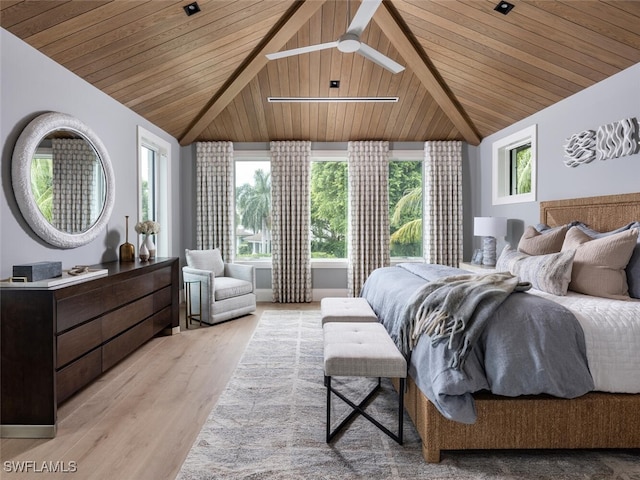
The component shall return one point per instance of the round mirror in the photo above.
(63, 180)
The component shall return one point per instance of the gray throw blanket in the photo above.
(455, 309)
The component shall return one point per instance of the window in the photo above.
(42, 181)
(405, 208)
(329, 205)
(253, 209)
(148, 166)
(520, 163)
(329, 209)
(514, 168)
(154, 189)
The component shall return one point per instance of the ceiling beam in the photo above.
(299, 13)
(400, 36)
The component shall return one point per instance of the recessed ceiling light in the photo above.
(504, 7)
(331, 99)
(334, 83)
(191, 8)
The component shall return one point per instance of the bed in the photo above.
(595, 419)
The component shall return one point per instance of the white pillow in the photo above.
(206, 260)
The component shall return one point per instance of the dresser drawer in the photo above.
(161, 299)
(78, 309)
(76, 342)
(122, 345)
(77, 374)
(162, 277)
(162, 320)
(134, 288)
(119, 320)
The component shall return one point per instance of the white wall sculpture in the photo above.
(617, 139)
(580, 148)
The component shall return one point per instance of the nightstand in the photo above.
(475, 268)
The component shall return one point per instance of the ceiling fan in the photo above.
(350, 41)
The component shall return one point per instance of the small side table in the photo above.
(190, 316)
(476, 268)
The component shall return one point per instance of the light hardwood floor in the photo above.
(139, 419)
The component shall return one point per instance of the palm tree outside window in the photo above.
(253, 210)
(405, 204)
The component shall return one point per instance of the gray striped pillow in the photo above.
(550, 273)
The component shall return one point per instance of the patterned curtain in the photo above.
(368, 211)
(214, 197)
(74, 207)
(443, 202)
(291, 212)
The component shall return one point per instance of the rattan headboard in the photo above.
(600, 213)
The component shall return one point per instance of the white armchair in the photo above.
(227, 289)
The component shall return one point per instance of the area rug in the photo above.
(269, 423)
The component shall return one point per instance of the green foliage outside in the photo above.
(405, 202)
(42, 185)
(145, 200)
(329, 227)
(523, 170)
(253, 204)
(329, 209)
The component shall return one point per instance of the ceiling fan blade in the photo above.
(376, 57)
(363, 16)
(298, 51)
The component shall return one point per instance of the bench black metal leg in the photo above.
(327, 383)
(359, 410)
(401, 411)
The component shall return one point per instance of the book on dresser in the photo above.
(57, 339)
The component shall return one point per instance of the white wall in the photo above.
(613, 99)
(31, 84)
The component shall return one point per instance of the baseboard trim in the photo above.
(28, 431)
(266, 294)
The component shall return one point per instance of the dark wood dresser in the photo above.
(56, 340)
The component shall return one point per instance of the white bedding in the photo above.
(612, 335)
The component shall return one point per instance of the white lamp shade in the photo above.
(490, 227)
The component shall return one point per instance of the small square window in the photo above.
(514, 168)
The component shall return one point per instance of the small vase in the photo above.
(151, 247)
(127, 250)
(143, 252)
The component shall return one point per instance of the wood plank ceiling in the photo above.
(470, 71)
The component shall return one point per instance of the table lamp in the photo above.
(489, 228)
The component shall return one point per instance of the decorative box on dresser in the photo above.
(56, 340)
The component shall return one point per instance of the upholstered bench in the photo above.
(361, 349)
(337, 309)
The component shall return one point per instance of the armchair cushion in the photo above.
(227, 287)
(206, 260)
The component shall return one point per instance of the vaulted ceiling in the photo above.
(470, 70)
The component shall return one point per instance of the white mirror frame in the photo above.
(24, 150)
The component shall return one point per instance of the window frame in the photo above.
(162, 188)
(152, 181)
(327, 155)
(410, 156)
(248, 156)
(331, 156)
(502, 166)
